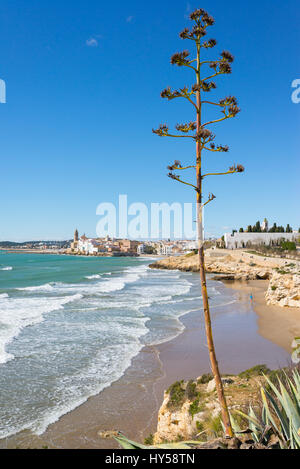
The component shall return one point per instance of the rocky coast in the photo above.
(283, 275)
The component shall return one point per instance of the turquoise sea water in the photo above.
(70, 326)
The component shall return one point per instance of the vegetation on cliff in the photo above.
(264, 410)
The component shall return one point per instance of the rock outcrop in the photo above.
(230, 267)
(191, 409)
(284, 290)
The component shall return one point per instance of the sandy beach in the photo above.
(277, 324)
(131, 404)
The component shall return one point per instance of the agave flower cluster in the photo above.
(180, 58)
(181, 93)
(177, 165)
(222, 66)
(237, 169)
(222, 148)
(185, 128)
(162, 131)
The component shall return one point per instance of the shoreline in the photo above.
(131, 404)
(60, 253)
(278, 324)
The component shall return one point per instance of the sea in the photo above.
(70, 327)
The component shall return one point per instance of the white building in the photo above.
(141, 249)
(240, 240)
(165, 249)
(88, 246)
(190, 245)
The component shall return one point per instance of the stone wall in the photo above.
(240, 240)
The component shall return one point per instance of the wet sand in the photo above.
(131, 404)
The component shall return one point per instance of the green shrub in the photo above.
(191, 391)
(199, 426)
(288, 246)
(255, 371)
(196, 407)
(206, 378)
(193, 253)
(190, 254)
(149, 440)
(176, 394)
(214, 426)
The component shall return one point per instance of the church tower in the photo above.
(74, 245)
(265, 226)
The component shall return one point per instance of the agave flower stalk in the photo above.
(198, 131)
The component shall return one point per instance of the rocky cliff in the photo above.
(191, 409)
(284, 289)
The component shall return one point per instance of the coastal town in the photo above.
(258, 235)
(124, 247)
(150, 235)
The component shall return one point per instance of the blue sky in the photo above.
(83, 94)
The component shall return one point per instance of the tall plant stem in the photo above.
(208, 326)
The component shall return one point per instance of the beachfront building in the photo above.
(113, 249)
(189, 245)
(141, 249)
(100, 246)
(243, 240)
(89, 246)
(128, 246)
(165, 249)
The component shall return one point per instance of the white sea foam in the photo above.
(18, 313)
(169, 290)
(105, 285)
(176, 332)
(106, 367)
(214, 291)
(117, 283)
(6, 268)
(225, 304)
(39, 288)
(118, 307)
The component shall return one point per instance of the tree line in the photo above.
(258, 229)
